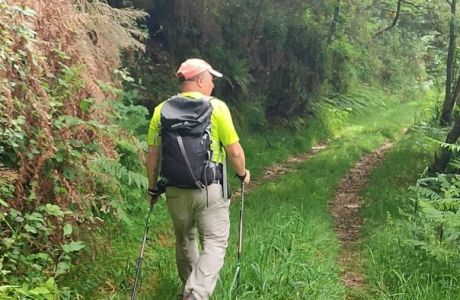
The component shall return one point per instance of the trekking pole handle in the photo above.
(242, 177)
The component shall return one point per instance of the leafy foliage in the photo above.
(278, 53)
(436, 218)
(55, 117)
(31, 251)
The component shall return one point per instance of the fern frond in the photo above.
(121, 213)
(428, 193)
(120, 172)
(444, 145)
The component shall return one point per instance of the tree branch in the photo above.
(393, 24)
(416, 6)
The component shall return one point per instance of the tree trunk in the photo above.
(255, 25)
(440, 162)
(335, 20)
(456, 90)
(449, 101)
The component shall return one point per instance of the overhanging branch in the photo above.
(393, 24)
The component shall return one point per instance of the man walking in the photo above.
(179, 129)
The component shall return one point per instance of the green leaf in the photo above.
(40, 291)
(8, 242)
(30, 229)
(73, 247)
(3, 203)
(54, 210)
(68, 121)
(69, 173)
(35, 217)
(76, 154)
(62, 82)
(68, 229)
(7, 287)
(50, 282)
(36, 267)
(85, 104)
(59, 156)
(96, 124)
(43, 256)
(62, 268)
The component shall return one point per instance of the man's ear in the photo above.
(200, 81)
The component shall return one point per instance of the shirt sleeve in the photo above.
(153, 136)
(227, 132)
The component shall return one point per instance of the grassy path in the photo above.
(290, 249)
(279, 169)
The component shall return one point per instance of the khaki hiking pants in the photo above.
(198, 271)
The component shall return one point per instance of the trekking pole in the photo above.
(141, 255)
(240, 238)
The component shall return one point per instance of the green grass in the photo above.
(397, 270)
(276, 145)
(290, 248)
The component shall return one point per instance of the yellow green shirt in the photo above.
(222, 129)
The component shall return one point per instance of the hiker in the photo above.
(195, 195)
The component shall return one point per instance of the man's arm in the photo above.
(237, 160)
(153, 164)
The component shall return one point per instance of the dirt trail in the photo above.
(345, 209)
(277, 170)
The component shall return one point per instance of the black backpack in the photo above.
(186, 143)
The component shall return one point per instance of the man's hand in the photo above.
(153, 195)
(245, 178)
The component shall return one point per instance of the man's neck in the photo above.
(193, 94)
(189, 87)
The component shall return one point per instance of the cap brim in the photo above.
(215, 73)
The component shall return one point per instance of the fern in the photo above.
(124, 180)
(358, 102)
(121, 209)
(444, 145)
(437, 220)
(427, 193)
(120, 172)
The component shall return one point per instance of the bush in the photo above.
(55, 113)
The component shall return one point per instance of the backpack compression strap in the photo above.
(184, 155)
